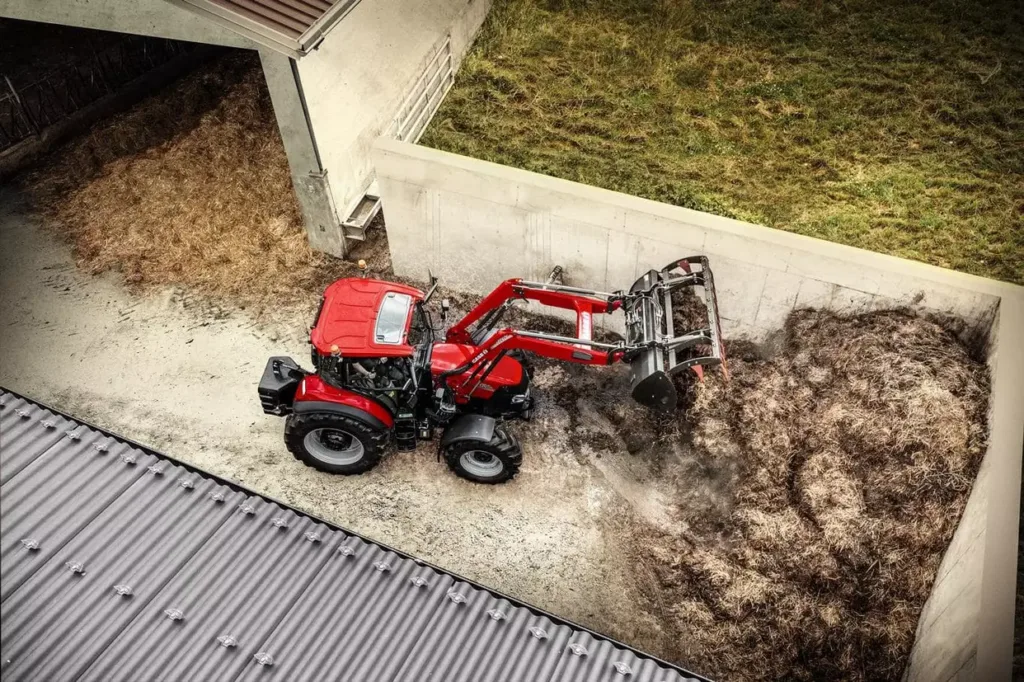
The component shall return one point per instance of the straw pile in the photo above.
(821, 488)
(190, 187)
(809, 499)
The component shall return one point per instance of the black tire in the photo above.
(466, 458)
(335, 443)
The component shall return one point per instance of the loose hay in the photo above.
(190, 187)
(849, 456)
(813, 495)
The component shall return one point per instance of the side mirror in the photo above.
(432, 289)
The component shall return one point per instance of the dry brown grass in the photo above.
(848, 456)
(190, 187)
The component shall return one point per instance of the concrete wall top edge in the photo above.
(1002, 490)
(744, 230)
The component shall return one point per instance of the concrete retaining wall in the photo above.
(475, 223)
(965, 631)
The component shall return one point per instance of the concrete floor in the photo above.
(180, 374)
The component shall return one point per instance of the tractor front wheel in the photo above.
(334, 443)
(494, 461)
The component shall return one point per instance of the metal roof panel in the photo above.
(58, 494)
(292, 27)
(27, 431)
(591, 659)
(227, 598)
(60, 619)
(479, 637)
(371, 604)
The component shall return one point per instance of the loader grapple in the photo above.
(663, 350)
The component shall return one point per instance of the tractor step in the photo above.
(405, 431)
(354, 227)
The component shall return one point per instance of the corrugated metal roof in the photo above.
(119, 563)
(290, 26)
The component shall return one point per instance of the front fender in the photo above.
(316, 395)
(474, 427)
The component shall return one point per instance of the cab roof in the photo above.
(352, 319)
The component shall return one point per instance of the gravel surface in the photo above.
(179, 373)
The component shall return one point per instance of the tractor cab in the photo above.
(362, 321)
(365, 318)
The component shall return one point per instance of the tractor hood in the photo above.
(365, 318)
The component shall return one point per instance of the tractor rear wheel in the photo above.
(335, 443)
(495, 461)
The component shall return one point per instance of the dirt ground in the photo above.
(179, 373)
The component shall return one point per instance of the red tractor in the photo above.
(380, 374)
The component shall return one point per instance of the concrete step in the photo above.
(354, 227)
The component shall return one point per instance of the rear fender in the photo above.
(316, 395)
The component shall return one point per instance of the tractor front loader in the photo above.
(381, 375)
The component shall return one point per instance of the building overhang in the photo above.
(291, 27)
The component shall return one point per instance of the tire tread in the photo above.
(503, 444)
(375, 441)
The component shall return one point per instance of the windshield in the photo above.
(391, 317)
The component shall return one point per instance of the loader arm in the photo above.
(653, 348)
(584, 301)
(465, 380)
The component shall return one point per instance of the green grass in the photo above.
(892, 126)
